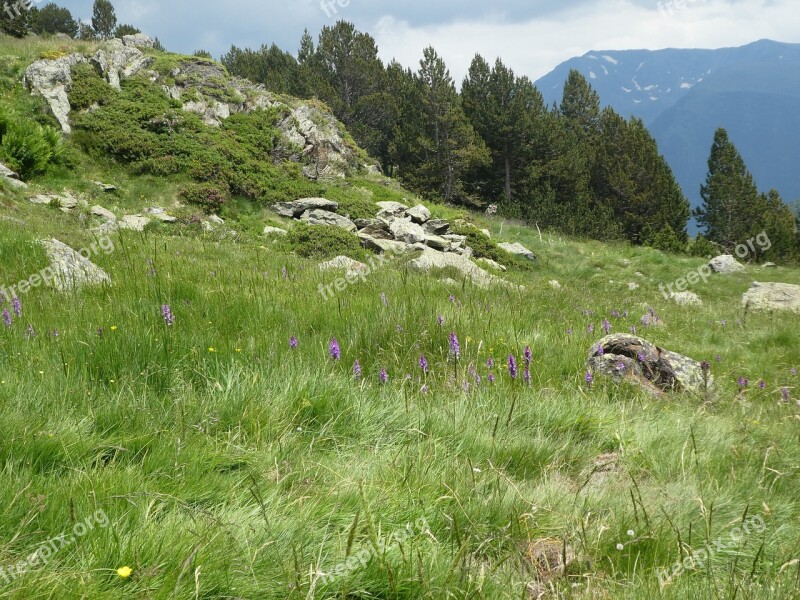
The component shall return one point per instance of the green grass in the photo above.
(231, 466)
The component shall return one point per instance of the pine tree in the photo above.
(15, 18)
(53, 19)
(104, 19)
(730, 197)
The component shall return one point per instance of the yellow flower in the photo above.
(238, 349)
(124, 572)
(212, 349)
(113, 328)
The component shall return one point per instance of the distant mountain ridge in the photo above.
(684, 95)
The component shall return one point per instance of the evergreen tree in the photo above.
(730, 197)
(53, 19)
(580, 105)
(104, 19)
(15, 19)
(271, 66)
(86, 32)
(125, 29)
(780, 224)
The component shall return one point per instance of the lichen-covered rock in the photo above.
(437, 227)
(138, 40)
(71, 270)
(430, 260)
(624, 356)
(408, 232)
(725, 264)
(419, 214)
(686, 299)
(773, 296)
(52, 79)
(293, 210)
(269, 230)
(518, 250)
(323, 217)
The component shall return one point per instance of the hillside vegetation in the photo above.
(244, 437)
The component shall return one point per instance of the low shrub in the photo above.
(88, 88)
(26, 146)
(484, 247)
(323, 242)
(208, 196)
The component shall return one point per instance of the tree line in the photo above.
(574, 166)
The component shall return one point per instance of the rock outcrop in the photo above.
(624, 356)
(773, 296)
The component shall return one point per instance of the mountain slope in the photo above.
(684, 95)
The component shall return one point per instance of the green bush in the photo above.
(26, 146)
(88, 88)
(323, 242)
(703, 247)
(208, 196)
(484, 247)
(666, 240)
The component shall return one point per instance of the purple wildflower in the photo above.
(526, 375)
(384, 376)
(455, 347)
(423, 364)
(620, 367)
(600, 350)
(357, 370)
(718, 358)
(528, 355)
(633, 329)
(17, 305)
(424, 389)
(641, 357)
(606, 326)
(490, 363)
(452, 298)
(652, 312)
(589, 378)
(705, 366)
(785, 394)
(762, 385)
(440, 320)
(333, 348)
(512, 366)
(491, 377)
(166, 312)
(793, 372)
(6, 317)
(744, 382)
(293, 343)
(590, 328)
(465, 386)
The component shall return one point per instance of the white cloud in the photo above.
(536, 46)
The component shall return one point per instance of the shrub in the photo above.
(666, 240)
(323, 242)
(704, 248)
(88, 88)
(209, 196)
(26, 146)
(484, 247)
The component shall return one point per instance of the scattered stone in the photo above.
(133, 222)
(633, 286)
(430, 260)
(391, 209)
(377, 231)
(437, 243)
(294, 210)
(160, 214)
(518, 250)
(103, 213)
(72, 271)
(323, 217)
(437, 227)
(630, 357)
(554, 284)
(686, 299)
(380, 245)
(407, 232)
(363, 223)
(11, 178)
(344, 263)
(725, 264)
(66, 202)
(772, 296)
(268, 230)
(216, 220)
(486, 232)
(492, 264)
(419, 214)
(106, 187)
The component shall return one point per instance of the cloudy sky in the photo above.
(531, 36)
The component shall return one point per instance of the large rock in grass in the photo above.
(52, 79)
(725, 264)
(518, 250)
(431, 260)
(70, 269)
(419, 214)
(293, 210)
(323, 217)
(437, 227)
(773, 296)
(624, 356)
(686, 299)
(11, 178)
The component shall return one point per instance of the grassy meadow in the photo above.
(188, 433)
